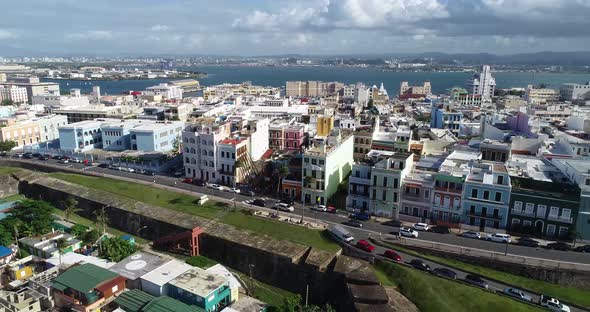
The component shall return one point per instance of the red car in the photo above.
(331, 209)
(187, 180)
(390, 254)
(364, 245)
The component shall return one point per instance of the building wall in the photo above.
(23, 133)
(259, 140)
(325, 124)
(80, 138)
(490, 205)
(116, 138)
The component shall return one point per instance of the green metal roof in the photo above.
(83, 278)
(133, 300)
(167, 304)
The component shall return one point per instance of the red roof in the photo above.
(266, 154)
(232, 141)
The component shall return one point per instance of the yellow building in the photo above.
(22, 133)
(325, 124)
(20, 269)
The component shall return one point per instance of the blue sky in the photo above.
(263, 27)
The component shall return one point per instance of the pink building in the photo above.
(293, 138)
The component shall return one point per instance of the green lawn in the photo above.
(8, 170)
(430, 293)
(185, 203)
(11, 198)
(271, 295)
(570, 294)
(92, 224)
(201, 262)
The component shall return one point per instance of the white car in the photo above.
(553, 304)
(284, 207)
(321, 208)
(499, 238)
(63, 161)
(472, 234)
(215, 187)
(75, 160)
(421, 227)
(233, 190)
(408, 232)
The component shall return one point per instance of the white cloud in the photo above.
(160, 28)
(5, 34)
(91, 35)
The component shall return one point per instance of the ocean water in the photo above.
(276, 76)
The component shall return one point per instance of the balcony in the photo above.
(522, 213)
(356, 180)
(562, 219)
(486, 217)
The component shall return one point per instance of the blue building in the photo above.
(486, 195)
(81, 136)
(444, 116)
(198, 287)
(115, 136)
(157, 137)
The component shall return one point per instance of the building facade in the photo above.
(484, 83)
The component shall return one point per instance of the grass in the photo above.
(211, 210)
(8, 170)
(271, 295)
(92, 224)
(201, 262)
(430, 293)
(11, 198)
(569, 294)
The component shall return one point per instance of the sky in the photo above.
(271, 27)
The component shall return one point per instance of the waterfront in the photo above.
(276, 76)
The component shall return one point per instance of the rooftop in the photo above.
(83, 278)
(199, 282)
(138, 264)
(166, 272)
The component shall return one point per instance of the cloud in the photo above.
(91, 35)
(160, 28)
(5, 34)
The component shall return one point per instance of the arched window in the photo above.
(186, 149)
(192, 140)
(210, 153)
(187, 160)
(193, 151)
(86, 143)
(204, 153)
(133, 137)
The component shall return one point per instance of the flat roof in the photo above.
(166, 272)
(138, 264)
(199, 282)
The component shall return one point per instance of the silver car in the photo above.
(518, 294)
(472, 234)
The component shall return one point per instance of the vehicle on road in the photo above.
(3, 154)
(63, 161)
(331, 209)
(421, 227)
(408, 232)
(477, 281)
(187, 180)
(342, 233)
(390, 254)
(259, 202)
(43, 158)
(75, 160)
(585, 248)
(445, 272)
(518, 294)
(360, 216)
(527, 241)
(248, 193)
(499, 238)
(284, 207)
(353, 223)
(199, 183)
(56, 157)
(102, 165)
(320, 208)
(215, 187)
(364, 245)
(234, 190)
(28, 156)
(420, 265)
(559, 246)
(18, 155)
(553, 304)
(36, 155)
(471, 234)
(440, 230)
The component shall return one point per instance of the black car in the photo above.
(103, 165)
(420, 265)
(585, 248)
(3, 154)
(36, 155)
(527, 241)
(559, 246)
(259, 202)
(198, 182)
(57, 157)
(445, 272)
(288, 201)
(477, 281)
(28, 156)
(440, 230)
(41, 157)
(353, 223)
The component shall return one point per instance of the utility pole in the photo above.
(251, 266)
(506, 250)
(306, 294)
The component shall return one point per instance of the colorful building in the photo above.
(203, 289)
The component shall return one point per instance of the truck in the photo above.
(342, 234)
(553, 304)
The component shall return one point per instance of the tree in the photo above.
(116, 249)
(370, 103)
(35, 216)
(90, 237)
(70, 206)
(290, 303)
(60, 244)
(237, 164)
(283, 171)
(6, 146)
(102, 219)
(5, 236)
(177, 145)
(7, 102)
(78, 230)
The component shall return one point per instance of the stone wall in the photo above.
(8, 185)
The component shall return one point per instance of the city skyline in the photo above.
(264, 27)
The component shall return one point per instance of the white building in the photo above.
(575, 92)
(166, 90)
(200, 141)
(484, 83)
(540, 95)
(49, 126)
(259, 138)
(13, 93)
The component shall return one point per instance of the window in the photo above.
(529, 208)
(384, 181)
(374, 194)
(563, 231)
(498, 196)
(426, 193)
(437, 199)
(515, 221)
(553, 212)
(566, 213)
(486, 194)
(306, 160)
(456, 202)
(314, 161)
(518, 206)
(500, 179)
(395, 197)
(115, 288)
(527, 223)
(374, 180)
(321, 162)
(395, 183)
(541, 210)
(587, 181)
(474, 193)
(222, 154)
(550, 229)
(384, 195)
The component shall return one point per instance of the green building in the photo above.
(139, 301)
(203, 289)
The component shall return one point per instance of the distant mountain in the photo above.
(538, 58)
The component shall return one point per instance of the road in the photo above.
(369, 226)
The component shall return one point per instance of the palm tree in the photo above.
(70, 207)
(237, 164)
(60, 244)
(102, 219)
(283, 172)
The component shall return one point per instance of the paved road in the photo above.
(371, 226)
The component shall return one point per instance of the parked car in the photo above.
(440, 230)
(421, 227)
(420, 265)
(527, 241)
(287, 201)
(445, 272)
(477, 281)
(284, 207)
(499, 238)
(408, 232)
(353, 223)
(215, 187)
(518, 294)
(364, 245)
(390, 254)
(63, 161)
(248, 193)
(17, 155)
(187, 180)
(559, 246)
(471, 234)
(320, 208)
(28, 156)
(102, 165)
(75, 160)
(3, 154)
(57, 157)
(36, 155)
(199, 183)
(553, 304)
(234, 190)
(360, 216)
(585, 248)
(43, 157)
(259, 202)
(331, 209)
